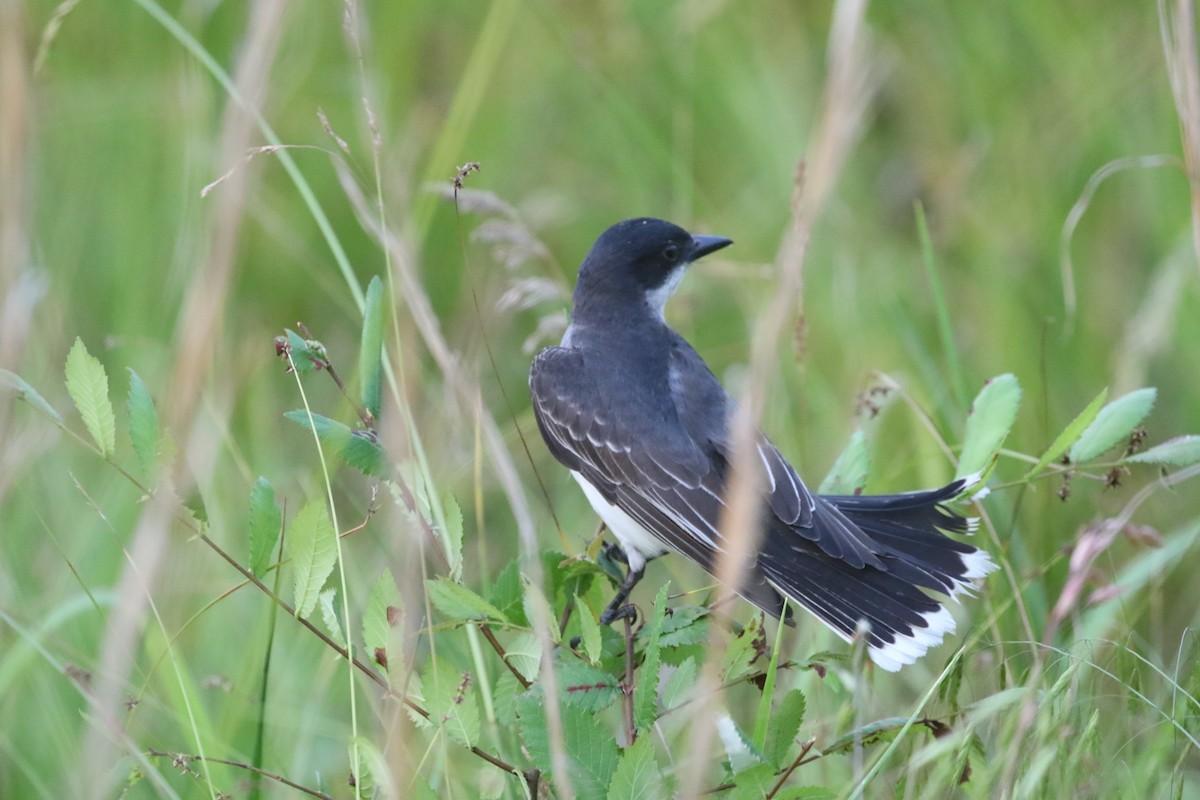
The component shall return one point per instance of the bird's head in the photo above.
(640, 260)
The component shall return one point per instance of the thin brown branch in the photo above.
(627, 689)
(182, 759)
(787, 773)
(499, 648)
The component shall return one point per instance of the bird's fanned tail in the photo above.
(905, 619)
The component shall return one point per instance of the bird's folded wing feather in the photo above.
(664, 482)
(659, 473)
(706, 411)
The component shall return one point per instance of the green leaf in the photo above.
(686, 625)
(645, 691)
(1182, 451)
(848, 475)
(586, 686)
(589, 630)
(785, 723)
(744, 650)
(533, 601)
(741, 751)
(680, 684)
(144, 431)
(383, 606)
(313, 546)
(87, 383)
(458, 602)
(370, 351)
(878, 731)
(1113, 424)
(357, 448)
(753, 782)
(307, 354)
(524, 652)
(806, 793)
(504, 699)
(1070, 434)
(589, 745)
(454, 534)
(507, 595)
(329, 614)
(265, 523)
(638, 776)
(451, 702)
(991, 418)
(27, 393)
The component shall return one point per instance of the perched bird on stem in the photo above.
(644, 426)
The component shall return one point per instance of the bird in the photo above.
(644, 426)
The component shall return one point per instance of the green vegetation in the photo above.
(213, 363)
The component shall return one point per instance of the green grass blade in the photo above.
(370, 352)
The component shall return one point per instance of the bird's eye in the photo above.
(671, 252)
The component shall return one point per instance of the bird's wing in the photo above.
(707, 412)
(648, 467)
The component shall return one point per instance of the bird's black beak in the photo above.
(703, 245)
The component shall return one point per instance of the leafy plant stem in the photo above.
(627, 689)
(341, 562)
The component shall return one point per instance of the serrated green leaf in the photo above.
(753, 782)
(531, 721)
(645, 691)
(144, 431)
(680, 684)
(685, 626)
(194, 503)
(383, 604)
(504, 698)
(1182, 451)
(307, 354)
(806, 793)
(525, 655)
(785, 723)
(370, 351)
(588, 744)
(27, 393)
(454, 534)
(450, 697)
(458, 602)
(357, 448)
(741, 751)
(848, 475)
(585, 686)
(1070, 434)
(507, 596)
(265, 523)
(329, 614)
(1113, 424)
(991, 418)
(535, 603)
(638, 776)
(313, 546)
(589, 630)
(87, 383)
(743, 651)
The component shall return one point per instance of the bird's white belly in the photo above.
(639, 544)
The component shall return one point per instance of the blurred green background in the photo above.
(993, 117)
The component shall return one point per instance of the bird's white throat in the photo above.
(657, 299)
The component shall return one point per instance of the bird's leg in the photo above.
(616, 609)
(615, 552)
